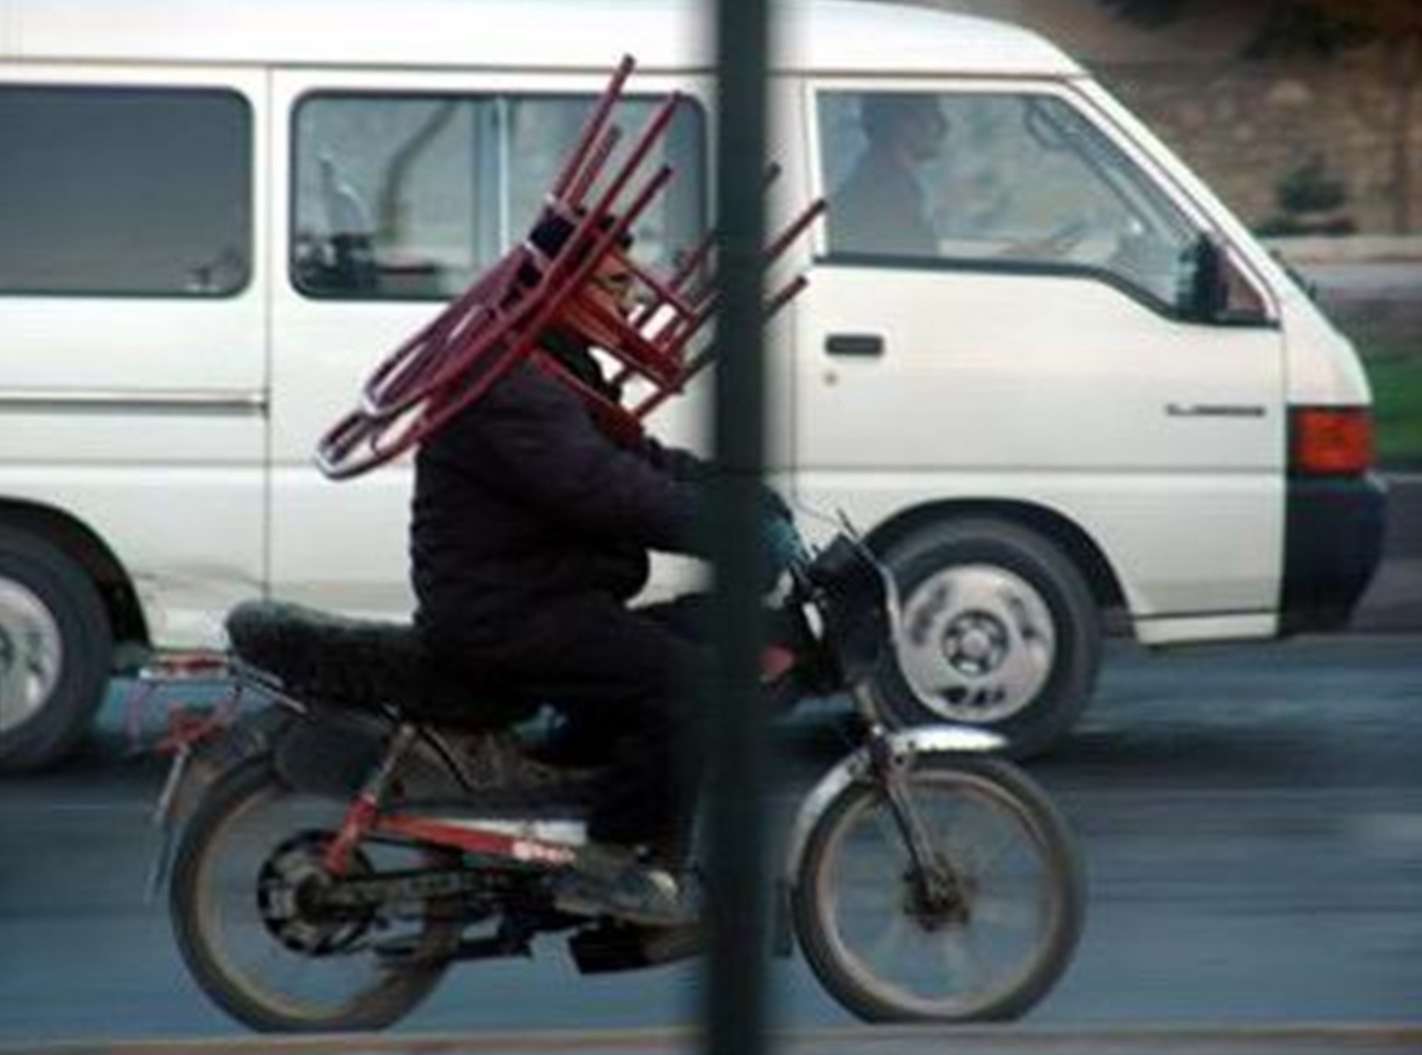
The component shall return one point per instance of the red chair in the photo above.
(495, 324)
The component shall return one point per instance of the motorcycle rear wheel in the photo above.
(988, 952)
(237, 914)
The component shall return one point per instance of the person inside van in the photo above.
(880, 206)
(530, 533)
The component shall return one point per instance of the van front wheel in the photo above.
(55, 652)
(1000, 632)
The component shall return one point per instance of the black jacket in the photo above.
(520, 500)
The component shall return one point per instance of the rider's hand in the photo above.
(772, 505)
(781, 543)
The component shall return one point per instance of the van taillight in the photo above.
(1330, 441)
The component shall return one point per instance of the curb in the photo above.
(1284, 1039)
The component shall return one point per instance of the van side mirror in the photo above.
(1208, 292)
(1308, 285)
(1218, 291)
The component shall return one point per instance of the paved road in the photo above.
(1252, 819)
(1393, 601)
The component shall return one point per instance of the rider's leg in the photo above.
(633, 675)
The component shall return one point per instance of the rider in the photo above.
(530, 533)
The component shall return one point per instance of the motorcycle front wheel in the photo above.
(246, 912)
(998, 928)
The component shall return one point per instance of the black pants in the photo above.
(629, 679)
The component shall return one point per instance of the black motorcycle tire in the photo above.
(1053, 841)
(398, 992)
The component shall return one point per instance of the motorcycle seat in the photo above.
(364, 665)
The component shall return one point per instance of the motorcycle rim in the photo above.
(247, 916)
(990, 949)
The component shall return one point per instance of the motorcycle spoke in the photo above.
(867, 882)
(1006, 913)
(310, 966)
(963, 962)
(891, 940)
(982, 852)
(977, 928)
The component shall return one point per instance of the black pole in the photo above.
(738, 881)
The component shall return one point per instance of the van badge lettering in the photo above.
(1213, 410)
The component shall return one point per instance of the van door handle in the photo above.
(854, 344)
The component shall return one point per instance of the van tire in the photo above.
(999, 627)
(56, 652)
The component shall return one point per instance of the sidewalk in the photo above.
(1283, 1039)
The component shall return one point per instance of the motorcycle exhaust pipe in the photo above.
(624, 947)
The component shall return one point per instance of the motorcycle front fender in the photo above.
(921, 740)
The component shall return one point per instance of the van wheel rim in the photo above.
(31, 654)
(979, 643)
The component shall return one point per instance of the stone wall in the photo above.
(1246, 127)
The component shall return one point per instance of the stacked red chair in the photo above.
(496, 323)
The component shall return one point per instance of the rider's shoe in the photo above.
(572, 745)
(607, 880)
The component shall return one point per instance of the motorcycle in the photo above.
(373, 828)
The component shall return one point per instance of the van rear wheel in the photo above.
(55, 652)
(1000, 632)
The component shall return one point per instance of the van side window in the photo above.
(998, 180)
(410, 196)
(117, 190)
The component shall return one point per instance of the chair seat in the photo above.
(364, 665)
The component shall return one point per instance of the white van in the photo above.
(1090, 388)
